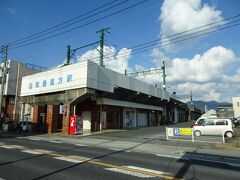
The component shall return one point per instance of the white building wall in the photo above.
(236, 106)
(90, 75)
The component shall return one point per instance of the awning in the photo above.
(112, 102)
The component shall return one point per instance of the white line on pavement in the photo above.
(33, 138)
(18, 146)
(73, 160)
(128, 151)
(58, 142)
(7, 147)
(81, 145)
(115, 149)
(172, 156)
(129, 172)
(32, 152)
(146, 170)
(43, 151)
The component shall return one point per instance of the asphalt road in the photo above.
(24, 158)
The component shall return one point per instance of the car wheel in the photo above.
(197, 133)
(229, 134)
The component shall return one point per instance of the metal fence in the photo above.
(187, 134)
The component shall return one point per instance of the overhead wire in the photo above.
(83, 25)
(93, 61)
(166, 43)
(177, 40)
(66, 26)
(218, 23)
(65, 22)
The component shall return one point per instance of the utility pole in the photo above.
(4, 51)
(164, 75)
(68, 55)
(102, 33)
(190, 107)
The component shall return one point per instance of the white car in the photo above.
(214, 126)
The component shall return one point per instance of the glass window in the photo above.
(221, 122)
(208, 122)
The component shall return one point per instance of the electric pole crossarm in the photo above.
(71, 52)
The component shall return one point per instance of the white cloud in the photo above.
(113, 59)
(182, 15)
(211, 66)
(207, 74)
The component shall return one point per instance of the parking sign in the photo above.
(176, 131)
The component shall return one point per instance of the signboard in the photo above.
(179, 131)
(58, 79)
(62, 109)
(185, 131)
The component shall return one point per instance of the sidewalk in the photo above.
(147, 140)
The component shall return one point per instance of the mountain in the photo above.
(209, 104)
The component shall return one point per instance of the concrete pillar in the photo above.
(66, 115)
(49, 119)
(35, 117)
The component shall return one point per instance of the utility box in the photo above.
(75, 125)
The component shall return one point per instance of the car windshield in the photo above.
(200, 121)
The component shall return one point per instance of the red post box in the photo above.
(76, 125)
(72, 127)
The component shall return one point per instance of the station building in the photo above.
(104, 99)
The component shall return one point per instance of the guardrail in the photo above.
(187, 134)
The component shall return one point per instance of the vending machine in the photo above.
(75, 125)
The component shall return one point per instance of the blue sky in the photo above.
(132, 27)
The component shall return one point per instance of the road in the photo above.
(32, 158)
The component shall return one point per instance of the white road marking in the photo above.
(73, 160)
(58, 142)
(81, 145)
(81, 158)
(138, 174)
(30, 138)
(7, 147)
(128, 151)
(115, 149)
(33, 138)
(18, 146)
(43, 151)
(32, 152)
(129, 172)
(146, 170)
(172, 156)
